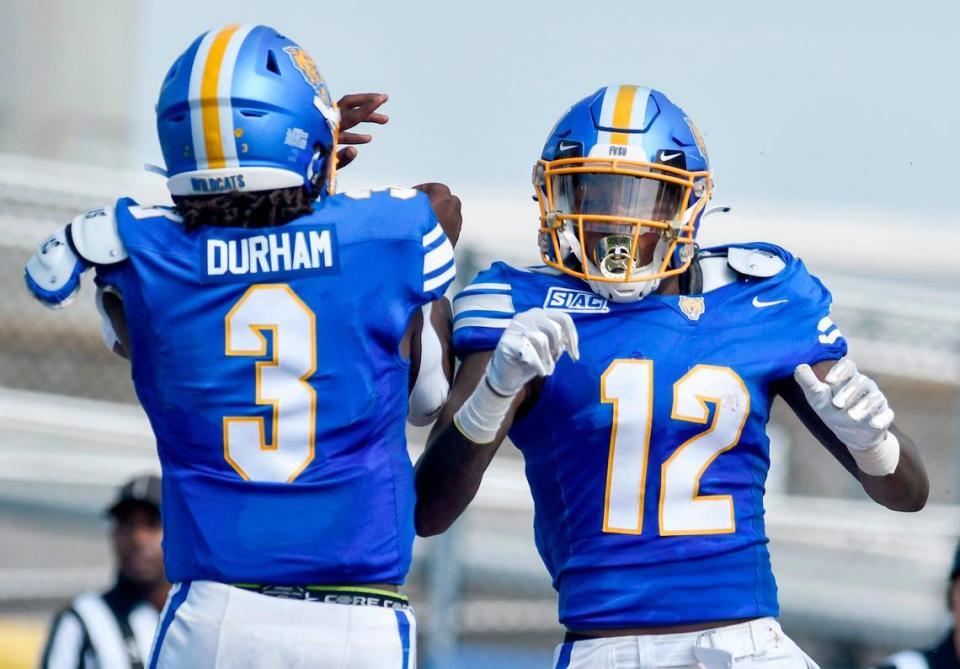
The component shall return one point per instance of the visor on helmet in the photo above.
(621, 195)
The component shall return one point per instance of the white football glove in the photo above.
(856, 410)
(530, 347)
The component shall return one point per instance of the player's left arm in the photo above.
(848, 413)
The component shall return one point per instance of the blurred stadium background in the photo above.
(856, 581)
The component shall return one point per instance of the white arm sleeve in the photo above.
(431, 388)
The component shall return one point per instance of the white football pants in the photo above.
(756, 644)
(207, 625)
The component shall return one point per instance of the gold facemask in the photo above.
(617, 211)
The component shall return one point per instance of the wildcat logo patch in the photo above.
(304, 63)
(692, 307)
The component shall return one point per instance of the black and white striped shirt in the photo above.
(113, 630)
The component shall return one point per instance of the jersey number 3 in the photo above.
(628, 385)
(281, 383)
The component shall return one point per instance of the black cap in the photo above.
(142, 490)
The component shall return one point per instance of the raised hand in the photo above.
(856, 410)
(530, 347)
(355, 109)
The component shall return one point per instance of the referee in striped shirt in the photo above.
(114, 629)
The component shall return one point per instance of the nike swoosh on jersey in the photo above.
(760, 305)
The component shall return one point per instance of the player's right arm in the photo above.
(489, 389)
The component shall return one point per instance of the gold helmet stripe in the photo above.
(208, 97)
(622, 113)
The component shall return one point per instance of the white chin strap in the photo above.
(624, 291)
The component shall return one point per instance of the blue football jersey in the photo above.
(267, 360)
(647, 458)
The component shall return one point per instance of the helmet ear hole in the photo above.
(317, 172)
(272, 65)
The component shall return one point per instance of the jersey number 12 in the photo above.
(628, 385)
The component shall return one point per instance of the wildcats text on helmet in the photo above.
(217, 184)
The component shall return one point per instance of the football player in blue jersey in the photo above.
(275, 330)
(645, 446)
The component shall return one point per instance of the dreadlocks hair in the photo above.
(258, 209)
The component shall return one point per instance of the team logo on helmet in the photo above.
(304, 63)
(692, 307)
(698, 138)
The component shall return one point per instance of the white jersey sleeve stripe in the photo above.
(437, 258)
(475, 287)
(830, 338)
(437, 281)
(481, 322)
(483, 302)
(432, 236)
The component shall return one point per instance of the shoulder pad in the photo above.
(715, 271)
(95, 238)
(53, 272)
(754, 262)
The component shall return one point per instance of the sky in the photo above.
(832, 105)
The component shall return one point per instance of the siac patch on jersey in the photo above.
(575, 301)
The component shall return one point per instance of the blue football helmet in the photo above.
(622, 183)
(246, 109)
